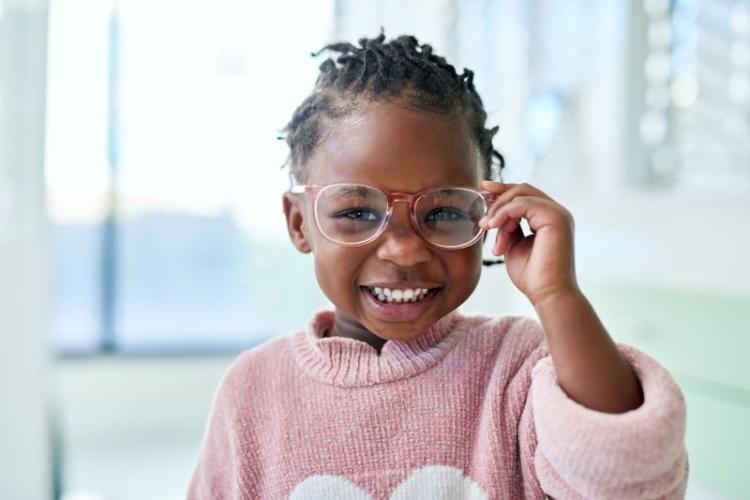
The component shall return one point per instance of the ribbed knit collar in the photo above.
(349, 362)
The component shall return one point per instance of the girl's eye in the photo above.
(359, 214)
(444, 214)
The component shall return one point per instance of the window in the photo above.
(163, 171)
(696, 96)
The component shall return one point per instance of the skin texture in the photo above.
(396, 148)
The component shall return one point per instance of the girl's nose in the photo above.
(400, 242)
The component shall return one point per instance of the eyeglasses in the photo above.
(356, 214)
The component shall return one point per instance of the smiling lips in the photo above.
(400, 300)
(398, 295)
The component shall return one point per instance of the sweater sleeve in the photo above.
(577, 452)
(217, 473)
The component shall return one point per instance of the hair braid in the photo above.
(379, 70)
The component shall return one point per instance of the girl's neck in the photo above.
(345, 326)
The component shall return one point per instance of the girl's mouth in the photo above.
(399, 295)
(399, 304)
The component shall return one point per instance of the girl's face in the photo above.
(392, 148)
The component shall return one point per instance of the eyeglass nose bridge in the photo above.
(409, 199)
(394, 198)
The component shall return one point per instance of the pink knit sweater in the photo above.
(471, 409)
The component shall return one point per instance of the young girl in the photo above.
(395, 394)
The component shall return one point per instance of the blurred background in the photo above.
(142, 242)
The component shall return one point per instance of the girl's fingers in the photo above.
(508, 194)
(511, 224)
(495, 186)
(514, 238)
(504, 219)
(518, 190)
(511, 211)
(506, 240)
(537, 211)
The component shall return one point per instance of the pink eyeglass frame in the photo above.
(393, 197)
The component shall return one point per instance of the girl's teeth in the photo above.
(398, 295)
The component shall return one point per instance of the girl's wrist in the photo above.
(555, 297)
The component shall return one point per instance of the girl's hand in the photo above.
(589, 367)
(541, 264)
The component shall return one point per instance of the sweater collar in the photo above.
(349, 362)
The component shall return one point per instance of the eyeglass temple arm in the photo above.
(490, 198)
(488, 262)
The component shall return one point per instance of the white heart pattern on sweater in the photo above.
(436, 482)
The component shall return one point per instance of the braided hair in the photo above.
(380, 71)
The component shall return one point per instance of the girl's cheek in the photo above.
(335, 266)
(468, 269)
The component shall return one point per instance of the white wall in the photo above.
(25, 459)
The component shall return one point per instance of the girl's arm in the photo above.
(570, 451)
(577, 437)
(590, 368)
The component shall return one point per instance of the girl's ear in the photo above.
(295, 222)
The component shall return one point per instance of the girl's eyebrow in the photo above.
(352, 191)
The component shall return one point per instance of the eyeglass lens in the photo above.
(353, 214)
